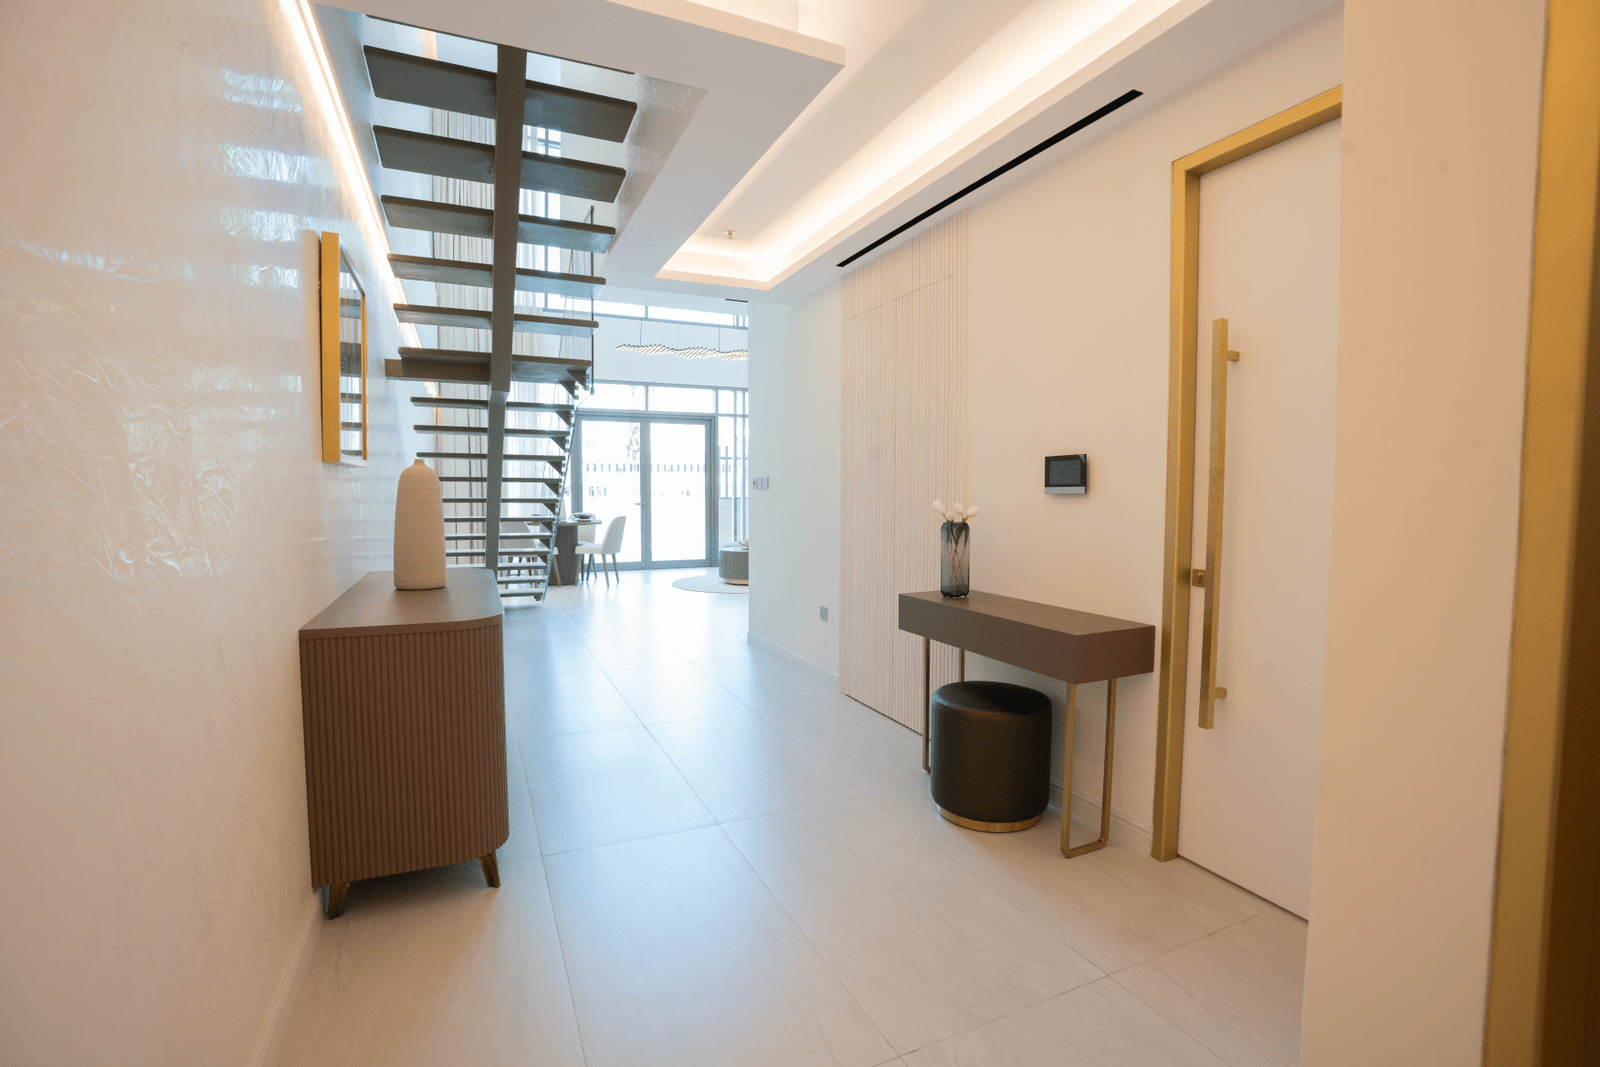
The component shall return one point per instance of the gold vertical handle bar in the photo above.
(1220, 358)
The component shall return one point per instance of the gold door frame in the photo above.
(1177, 557)
(1542, 987)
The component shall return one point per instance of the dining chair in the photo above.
(607, 546)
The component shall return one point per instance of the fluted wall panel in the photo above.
(405, 751)
(904, 324)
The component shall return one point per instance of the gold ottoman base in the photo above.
(990, 827)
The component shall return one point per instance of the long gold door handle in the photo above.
(1220, 358)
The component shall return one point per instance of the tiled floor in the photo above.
(715, 860)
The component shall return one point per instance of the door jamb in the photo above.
(1176, 557)
(1544, 992)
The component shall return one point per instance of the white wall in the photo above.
(795, 376)
(1441, 113)
(166, 524)
(1069, 290)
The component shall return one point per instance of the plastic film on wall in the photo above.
(165, 521)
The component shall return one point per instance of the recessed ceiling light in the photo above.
(729, 234)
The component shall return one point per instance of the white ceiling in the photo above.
(826, 123)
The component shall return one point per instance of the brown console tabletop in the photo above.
(403, 702)
(1074, 646)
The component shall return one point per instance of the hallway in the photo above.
(716, 860)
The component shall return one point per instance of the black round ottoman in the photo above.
(990, 755)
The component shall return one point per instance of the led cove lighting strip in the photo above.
(302, 23)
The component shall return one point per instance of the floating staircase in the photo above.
(500, 406)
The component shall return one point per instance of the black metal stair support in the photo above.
(511, 68)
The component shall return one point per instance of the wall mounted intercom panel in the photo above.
(1066, 475)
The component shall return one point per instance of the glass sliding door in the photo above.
(678, 495)
(610, 459)
(658, 470)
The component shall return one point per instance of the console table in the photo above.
(1074, 646)
(403, 702)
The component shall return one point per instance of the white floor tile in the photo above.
(600, 788)
(1249, 899)
(742, 766)
(678, 955)
(1238, 992)
(763, 682)
(534, 658)
(567, 704)
(629, 649)
(432, 968)
(1099, 1025)
(928, 950)
(871, 751)
(669, 694)
(1114, 917)
(523, 844)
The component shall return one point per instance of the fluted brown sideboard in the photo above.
(403, 703)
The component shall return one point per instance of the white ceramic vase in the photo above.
(418, 529)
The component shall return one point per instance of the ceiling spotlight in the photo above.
(729, 234)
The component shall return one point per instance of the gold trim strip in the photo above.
(1176, 557)
(990, 827)
(329, 293)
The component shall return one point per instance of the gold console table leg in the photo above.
(1066, 773)
(927, 696)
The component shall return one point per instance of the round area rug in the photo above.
(708, 583)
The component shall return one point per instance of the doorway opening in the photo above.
(671, 461)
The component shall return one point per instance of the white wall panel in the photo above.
(1433, 351)
(904, 317)
(795, 378)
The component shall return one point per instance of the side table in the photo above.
(1074, 646)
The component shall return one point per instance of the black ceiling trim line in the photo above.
(1049, 142)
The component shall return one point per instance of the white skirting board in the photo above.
(294, 970)
(1086, 811)
(804, 666)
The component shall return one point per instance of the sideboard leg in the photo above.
(491, 870)
(336, 895)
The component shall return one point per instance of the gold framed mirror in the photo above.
(344, 357)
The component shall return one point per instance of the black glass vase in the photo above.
(955, 575)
